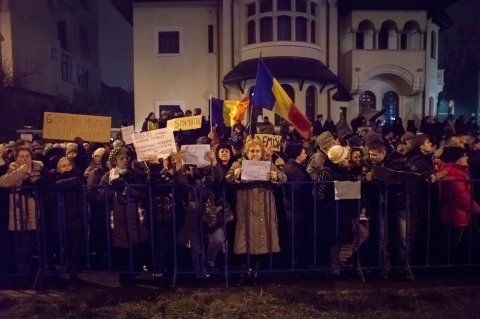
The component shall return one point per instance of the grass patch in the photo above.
(251, 303)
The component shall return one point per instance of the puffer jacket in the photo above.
(456, 202)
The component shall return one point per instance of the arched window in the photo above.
(390, 105)
(367, 101)
(311, 102)
(291, 94)
(433, 45)
(266, 29)
(365, 35)
(284, 28)
(387, 37)
(411, 37)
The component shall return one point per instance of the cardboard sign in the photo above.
(154, 144)
(196, 154)
(347, 190)
(185, 123)
(65, 126)
(270, 140)
(127, 132)
(255, 170)
(26, 137)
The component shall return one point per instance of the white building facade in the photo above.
(51, 47)
(332, 56)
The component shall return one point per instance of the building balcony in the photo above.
(408, 65)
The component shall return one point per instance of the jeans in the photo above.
(393, 229)
(216, 239)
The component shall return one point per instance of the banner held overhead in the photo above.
(65, 126)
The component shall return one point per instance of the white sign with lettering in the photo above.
(154, 144)
(196, 154)
(255, 170)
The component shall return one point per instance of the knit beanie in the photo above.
(452, 154)
(325, 140)
(116, 152)
(99, 152)
(71, 148)
(292, 150)
(338, 153)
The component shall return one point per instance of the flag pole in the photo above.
(252, 102)
(210, 112)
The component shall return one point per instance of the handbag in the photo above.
(216, 216)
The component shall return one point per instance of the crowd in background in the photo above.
(96, 198)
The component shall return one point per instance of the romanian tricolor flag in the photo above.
(228, 111)
(269, 94)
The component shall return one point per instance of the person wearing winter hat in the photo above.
(337, 216)
(71, 150)
(96, 161)
(293, 150)
(456, 202)
(128, 231)
(339, 155)
(323, 143)
(452, 154)
(298, 202)
(68, 181)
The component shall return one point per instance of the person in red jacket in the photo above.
(456, 202)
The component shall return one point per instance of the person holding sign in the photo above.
(256, 228)
(128, 227)
(339, 215)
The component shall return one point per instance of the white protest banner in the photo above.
(185, 123)
(65, 126)
(255, 170)
(196, 154)
(127, 132)
(270, 140)
(154, 144)
(26, 137)
(347, 190)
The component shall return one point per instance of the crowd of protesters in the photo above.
(96, 199)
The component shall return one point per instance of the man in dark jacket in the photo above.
(418, 160)
(392, 218)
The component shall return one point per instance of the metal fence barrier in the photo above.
(173, 231)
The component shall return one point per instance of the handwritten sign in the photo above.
(127, 132)
(347, 190)
(270, 140)
(154, 144)
(65, 126)
(185, 123)
(255, 170)
(26, 137)
(196, 154)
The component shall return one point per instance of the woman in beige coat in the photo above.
(256, 228)
(23, 178)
